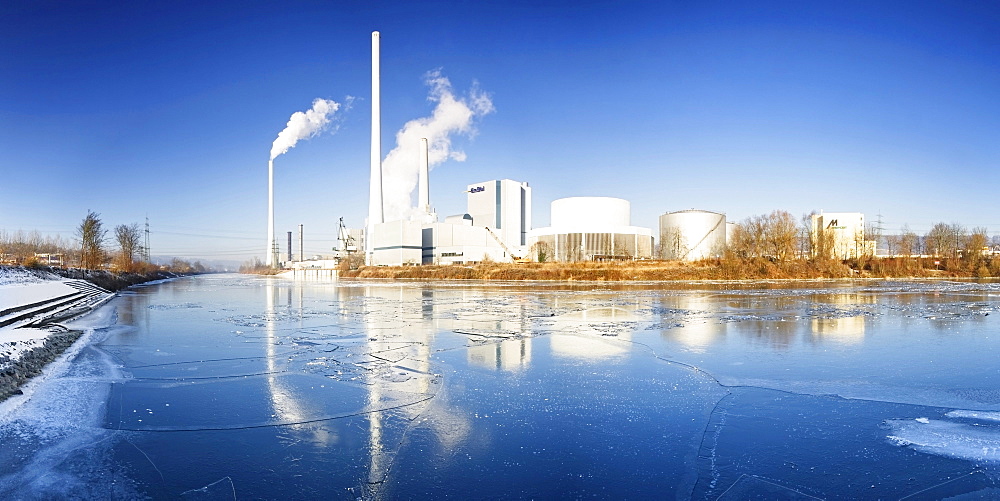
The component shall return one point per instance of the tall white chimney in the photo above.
(272, 244)
(424, 195)
(375, 213)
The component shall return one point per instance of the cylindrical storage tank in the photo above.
(590, 213)
(690, 235)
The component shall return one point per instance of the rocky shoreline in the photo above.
(32, 363)
(21, 359)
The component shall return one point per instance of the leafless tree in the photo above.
(129, 239)
(91, 235)
(976, 246)
(909, 242)
(780, 235)
(946, 240)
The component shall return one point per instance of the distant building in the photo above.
(840, 235)
(690, 235)
(504, 206)
(50, 259)
(495, 226)
(591, 229)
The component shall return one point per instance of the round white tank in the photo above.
(590, 213)
(691, 235)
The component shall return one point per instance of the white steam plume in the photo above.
(303, 125)
(452, 115)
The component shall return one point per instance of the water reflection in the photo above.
(593, 333)
(411, 368)
(287, 407)
(692, 320)
(840, 318)
(510, 355)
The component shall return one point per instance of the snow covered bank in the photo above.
(31, 302)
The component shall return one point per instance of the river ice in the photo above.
(230, 387)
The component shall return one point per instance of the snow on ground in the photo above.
(20, 287)
(17, 294)
(10, 276)
(14, 343)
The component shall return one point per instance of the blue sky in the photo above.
(169, 110)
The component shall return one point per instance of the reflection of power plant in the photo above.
(845, 327)
(593, 333)
(508, 355)
(696, 325)
(286, 406)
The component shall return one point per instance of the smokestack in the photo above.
(424, 195)
(301, 252)
(272, 244)
(375, 212)
(289, 246)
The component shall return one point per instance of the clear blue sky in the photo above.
(169, 110)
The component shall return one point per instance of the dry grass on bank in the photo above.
(714, 269)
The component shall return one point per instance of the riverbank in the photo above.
(32, 303)
(754, 269)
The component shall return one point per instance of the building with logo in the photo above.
(840, 235)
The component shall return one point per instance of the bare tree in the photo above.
(976, 246)
(908, 241)
(780, 235)
(946, 240)
(129, 239)
(91, 235)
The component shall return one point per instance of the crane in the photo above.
(517, 259)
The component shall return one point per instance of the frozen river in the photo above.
(222, 387)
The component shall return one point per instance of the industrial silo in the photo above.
(690, 235)
(593, 228)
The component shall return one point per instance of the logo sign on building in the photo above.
(477, 189)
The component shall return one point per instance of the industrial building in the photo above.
(690, 235)
(840, 235)
(591, 229)
(494, 228)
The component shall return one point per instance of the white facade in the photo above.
(495, 227)
(504, 206)
(591, 228)
(840, 235)
(584, 213)
(448, 243)
(691, 235)
(396, 243)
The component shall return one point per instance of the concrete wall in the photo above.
(445, 243)
(396, 243)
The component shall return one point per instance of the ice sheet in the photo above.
(376, 390)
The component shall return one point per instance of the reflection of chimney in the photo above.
(424, 196)
(375, 214)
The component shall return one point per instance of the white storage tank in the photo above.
(690, 235)
(575, 213)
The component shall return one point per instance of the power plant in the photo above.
(592, 229)
(497, 223)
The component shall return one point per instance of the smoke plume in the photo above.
(304, 125)
(451, 115)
